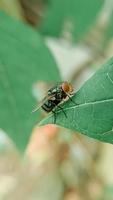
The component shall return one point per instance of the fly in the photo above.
(55, 96)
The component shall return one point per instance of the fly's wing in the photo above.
(39, 105)
(48, 97)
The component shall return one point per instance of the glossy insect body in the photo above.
(55, 96)
(49, 105)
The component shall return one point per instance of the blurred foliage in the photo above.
(70, 18)
(109, 31)
(107, 193)
(32, 10)
(24, 59)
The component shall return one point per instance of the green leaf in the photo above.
(24, 59)
(107, 192)
(109, 31)
(70, 18)
(93, 114)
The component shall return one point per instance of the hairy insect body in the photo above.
(49, 105)
(57, 95)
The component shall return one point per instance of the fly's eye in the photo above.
(67, 87)
(70, 88)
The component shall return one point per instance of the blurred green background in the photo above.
(43, 42)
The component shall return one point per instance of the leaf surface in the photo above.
(24, 60)
(93, 114)
(70, 18)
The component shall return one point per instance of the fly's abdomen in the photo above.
(48, 106)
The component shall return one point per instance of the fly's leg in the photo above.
(62, 110)
(53, 111)
(54, 115)
(71, 100)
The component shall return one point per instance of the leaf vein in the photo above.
(109, 78)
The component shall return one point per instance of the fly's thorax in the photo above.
(61, 95)
(54, 90)
(56, 93)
